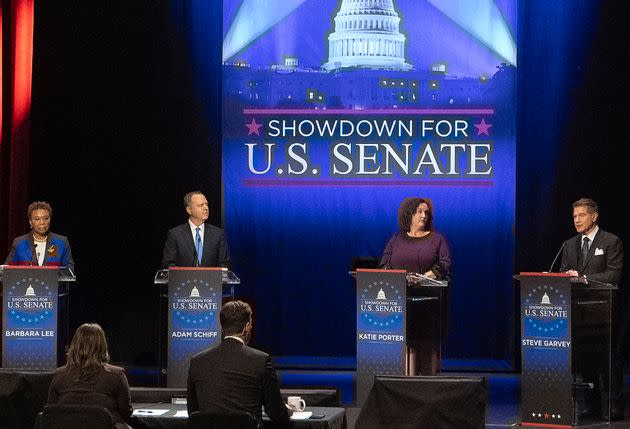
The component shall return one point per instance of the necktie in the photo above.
(584, 249)
(199, 245)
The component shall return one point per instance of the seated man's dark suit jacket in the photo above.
(605, 267)
(231, 377)
(179, 249)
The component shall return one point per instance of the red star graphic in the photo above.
(253, 127)
(546, 415)
(482, 127)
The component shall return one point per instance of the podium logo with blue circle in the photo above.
(381, 309)
(194, 305)
(545, 315)
(30, 306)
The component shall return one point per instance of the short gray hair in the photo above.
(188, 197)
(590, 205)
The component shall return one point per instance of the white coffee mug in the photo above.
(296, 403)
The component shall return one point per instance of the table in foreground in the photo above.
(334, 418)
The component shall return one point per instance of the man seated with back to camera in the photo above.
(232, 377)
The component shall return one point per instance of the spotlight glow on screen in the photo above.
(254, 18)
(483, 20)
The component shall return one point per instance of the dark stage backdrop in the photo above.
(123, 126)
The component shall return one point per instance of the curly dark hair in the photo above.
(39, 205)
(407, 209)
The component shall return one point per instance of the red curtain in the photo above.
(16, 71)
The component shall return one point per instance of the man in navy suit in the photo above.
(232, 377)
(597, 256)
(196, 243)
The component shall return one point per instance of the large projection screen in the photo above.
(333, 113)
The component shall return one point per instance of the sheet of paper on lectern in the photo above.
(148, 412)
(301, 415)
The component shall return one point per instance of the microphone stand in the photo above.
(556, 258)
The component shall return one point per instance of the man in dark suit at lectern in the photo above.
(196, 243)
(597, 256)
(231, 377)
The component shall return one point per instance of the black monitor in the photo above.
(438, 402)
(363, 262)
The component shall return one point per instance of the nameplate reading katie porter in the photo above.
(381, 306)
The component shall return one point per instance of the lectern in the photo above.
(35, 302)
(194, 297)
(382, 300)
(566, 333)
(427, 312)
